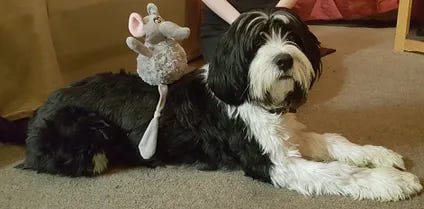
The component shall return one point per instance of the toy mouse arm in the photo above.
(138, 47)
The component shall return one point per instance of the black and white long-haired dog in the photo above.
(233, 114)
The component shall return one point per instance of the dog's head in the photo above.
(267, 58)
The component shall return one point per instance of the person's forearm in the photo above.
(223, 9)
(286, 3)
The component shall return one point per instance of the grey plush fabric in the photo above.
(167, 64)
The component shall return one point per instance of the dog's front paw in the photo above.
(379, 156)
(363, 156)
(385, 184)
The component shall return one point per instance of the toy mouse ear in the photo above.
(152, 9)
(135, 24)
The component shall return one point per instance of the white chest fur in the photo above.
(268, 129)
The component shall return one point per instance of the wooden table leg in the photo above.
(402, 27)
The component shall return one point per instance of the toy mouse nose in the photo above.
(284, 62)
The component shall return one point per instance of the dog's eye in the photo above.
(157, 20)
(290, 37)
(293, 38)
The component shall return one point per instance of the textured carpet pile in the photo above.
(367, 92)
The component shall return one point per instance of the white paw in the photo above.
(379, 156)
(372, 156)
(385, 184)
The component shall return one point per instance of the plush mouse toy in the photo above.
(161, 61)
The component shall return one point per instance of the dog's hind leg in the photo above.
(328, 147)
(73, 142)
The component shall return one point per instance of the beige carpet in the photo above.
(367, 92)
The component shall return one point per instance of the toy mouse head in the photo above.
(154, 27)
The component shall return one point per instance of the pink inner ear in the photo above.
(135, 24)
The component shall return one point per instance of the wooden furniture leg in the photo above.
(402, 29)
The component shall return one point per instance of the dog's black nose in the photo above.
(284, 61)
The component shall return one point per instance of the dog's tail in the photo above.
(75, 142)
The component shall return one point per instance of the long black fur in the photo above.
(108, 113)
(64, 134)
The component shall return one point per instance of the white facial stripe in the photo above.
(264, 74)
(303, 71)
(262, 71)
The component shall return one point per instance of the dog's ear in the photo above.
(229, 69)
(227, 77)
(311, 48)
